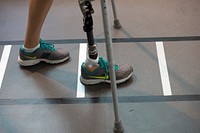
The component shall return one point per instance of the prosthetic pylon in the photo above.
(87, 10)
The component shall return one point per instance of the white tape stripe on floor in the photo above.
(163, 69)
(4, 61)
(82, 56)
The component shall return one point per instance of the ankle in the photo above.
(31, 43)
(32, 49)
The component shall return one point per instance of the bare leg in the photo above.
(38, 10)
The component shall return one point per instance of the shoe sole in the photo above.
(97, 81)
(37, 61)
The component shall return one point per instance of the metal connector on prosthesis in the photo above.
(85, 6)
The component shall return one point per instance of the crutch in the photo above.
(118, 126)
(117, 24)
(87, 10)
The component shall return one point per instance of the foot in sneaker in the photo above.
(46, 52)
(100, 73)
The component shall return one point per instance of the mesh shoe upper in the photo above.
(46, 52)
(102, 71)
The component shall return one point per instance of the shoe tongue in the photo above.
(102, 62)
(47, 46)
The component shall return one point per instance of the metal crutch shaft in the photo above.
(118, 127)
(87, 10)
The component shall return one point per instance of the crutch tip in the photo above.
(117, 24)
(118, 127)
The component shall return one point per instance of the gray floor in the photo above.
(42, 99)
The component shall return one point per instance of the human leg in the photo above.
(38, 10)
(34, 50)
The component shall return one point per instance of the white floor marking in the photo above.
(4, 61)
(163, 69)
(82, 56)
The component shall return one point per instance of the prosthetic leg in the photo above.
(87, 10)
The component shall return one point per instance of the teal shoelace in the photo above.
(46, 46)
(104, 64)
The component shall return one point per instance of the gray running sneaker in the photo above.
(101, 73)
(47, 53)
